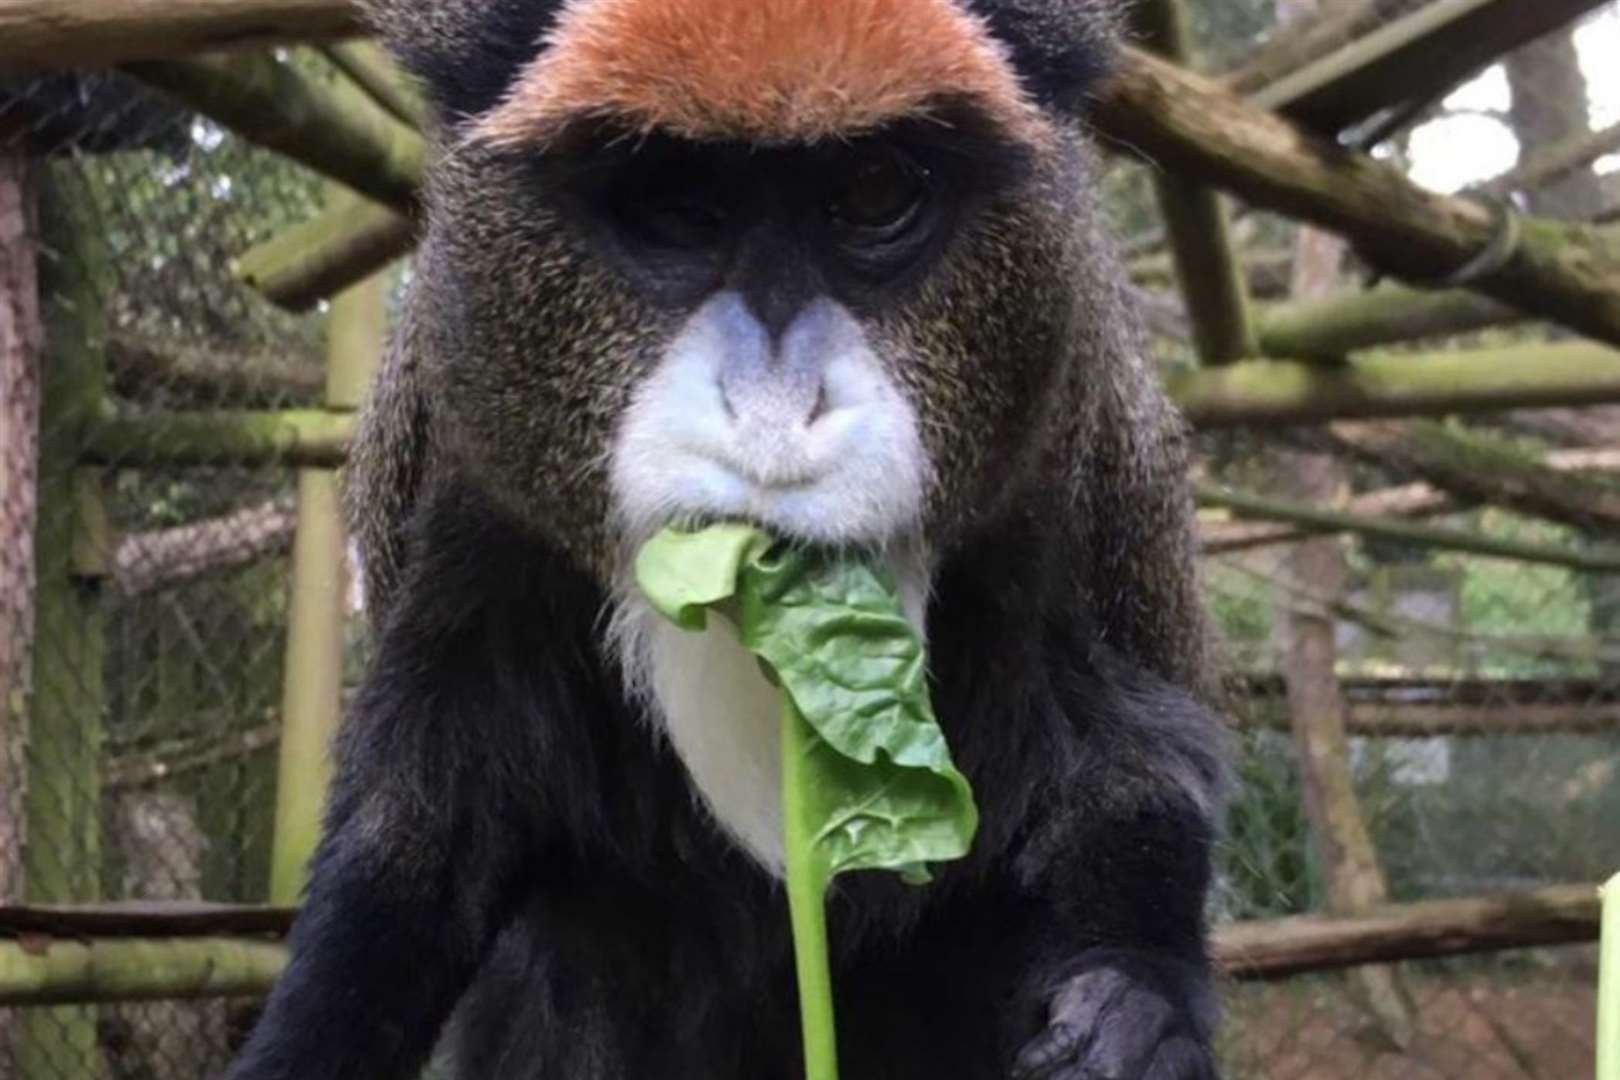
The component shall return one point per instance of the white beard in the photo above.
(709, 697)
(724, 429)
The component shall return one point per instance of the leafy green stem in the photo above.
(807, 878)
(1608, 1020)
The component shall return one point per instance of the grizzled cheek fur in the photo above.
(542, 351)
(980, 352)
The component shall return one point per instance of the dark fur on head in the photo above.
(506, 830)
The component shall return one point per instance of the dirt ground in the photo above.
(1531, 1028)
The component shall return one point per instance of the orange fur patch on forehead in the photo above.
(771, 71)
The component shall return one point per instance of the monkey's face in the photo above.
(836, 316)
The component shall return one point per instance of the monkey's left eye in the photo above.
(880, 198)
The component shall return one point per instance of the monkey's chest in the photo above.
(723, 719)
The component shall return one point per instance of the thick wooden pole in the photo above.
(1195, 217)
(1332, 327)
(77, 971)
(352, 239)
(375, 72)
(312, 697)
(166, 961)
(37, 34)
(1254, 393)
(62, 853)
(1345, 853)
(1273, 394)
(20, 335)
(1186, 123)
(1275, 948)
(334, 127)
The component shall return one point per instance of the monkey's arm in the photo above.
(1121, 862)
(423, 838)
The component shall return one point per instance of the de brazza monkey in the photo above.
(835, 267)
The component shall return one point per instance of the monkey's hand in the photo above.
(1124, 1015)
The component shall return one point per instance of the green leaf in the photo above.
(683, 574)
(879, 790)
(867, 780)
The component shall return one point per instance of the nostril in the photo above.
(819, 408)
(725, 401)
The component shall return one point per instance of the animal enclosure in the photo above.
(1377, 243)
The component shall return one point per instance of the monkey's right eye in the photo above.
(880, 198)
(684, 222)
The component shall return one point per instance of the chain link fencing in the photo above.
(143, 623)
(144, 604)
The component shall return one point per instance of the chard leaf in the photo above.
(867, 780)
(878, 789)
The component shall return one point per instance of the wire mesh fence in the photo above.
(144, 618)
(1415, 717)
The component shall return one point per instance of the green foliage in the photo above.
(1266, 867)
(1521, 603)
(1242, 605)
(867, 780)
(880, 791)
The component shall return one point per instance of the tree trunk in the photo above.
(1351, 873)
(1550, 107)
(20, 335)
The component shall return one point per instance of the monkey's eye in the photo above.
(880, 198)
(674, 220)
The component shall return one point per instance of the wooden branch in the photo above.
(350, 241)
(1430, 721)
(1207, 268)
(127, 771)
(68, 954)
(1307, 39)
(145, 919)
(296, 438)
(1458, 707)
(143, 367)
(1413, 58)
(54, 971)
(1406, 500)
(1555, 162)
(334, 127)
(40, 34)
(1333, 327)
(378, 75)
(1476, 467)
(1318, 520)
(1273, 393)
(165, 558)
(1259, 392)
(1273, 948)
(1567, 273)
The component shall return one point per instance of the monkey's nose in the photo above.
(774, 386)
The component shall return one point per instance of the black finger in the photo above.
(1050, 1049)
